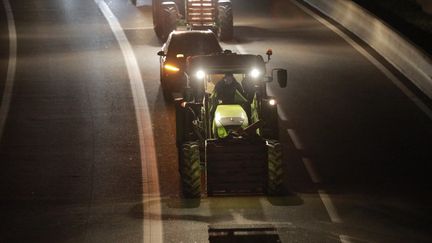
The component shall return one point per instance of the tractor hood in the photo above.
(229, 117)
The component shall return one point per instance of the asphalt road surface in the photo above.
(73, 166)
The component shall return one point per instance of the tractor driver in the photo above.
(229, 91)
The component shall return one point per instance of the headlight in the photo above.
(217, 119)
(200, 74)
(171, 68)
(272, 102)
(255, 73)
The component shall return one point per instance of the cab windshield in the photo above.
(212, 79)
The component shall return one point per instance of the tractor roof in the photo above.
(225, 63)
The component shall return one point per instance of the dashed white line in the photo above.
(282, 114)
(295, 139)
(345, 239)
(152, 224)
(311, 170)
(368, 56)
(10, 76)
(331, 209)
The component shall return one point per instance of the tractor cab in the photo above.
(227, 125)
(228, 95)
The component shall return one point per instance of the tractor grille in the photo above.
(201, 13)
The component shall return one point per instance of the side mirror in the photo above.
(282, 77)
(161, 53)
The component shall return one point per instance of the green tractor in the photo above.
(227, 127)
(215, 15)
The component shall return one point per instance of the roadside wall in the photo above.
(397, 50)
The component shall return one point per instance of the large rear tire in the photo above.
(190, 170)
(275, 168)
(165, 17)
(226, 28)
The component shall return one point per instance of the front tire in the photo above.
(190, 170)
(275, 168)
(165, 19)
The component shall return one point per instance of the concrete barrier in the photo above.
(396, 49)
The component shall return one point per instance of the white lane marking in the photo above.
(10, 76)
(152, 224)
(282, 114)
(331, 209)
(311, 170)
(368, 56)
(296, 140)
(345, 239)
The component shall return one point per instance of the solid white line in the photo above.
(296, 140)
(368, 56)
(310, 168)
(10, 76)
(152, 224)
(331, 209)
(282, 115)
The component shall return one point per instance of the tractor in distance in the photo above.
(215, 15)
(227, 127)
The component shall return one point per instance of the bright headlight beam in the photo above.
(200, 74)
(254, 73)
(272, 102)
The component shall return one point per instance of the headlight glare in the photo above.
(255, 73)
(272, 102)
(200, 74)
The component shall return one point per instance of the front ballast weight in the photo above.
(238, 166)
(216, 15)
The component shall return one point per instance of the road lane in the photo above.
(347, 115)
(150, 175)
(70, 168)
(312, 53)
(4, 47)
(178, 214)
(11, 66)
(366, 138)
